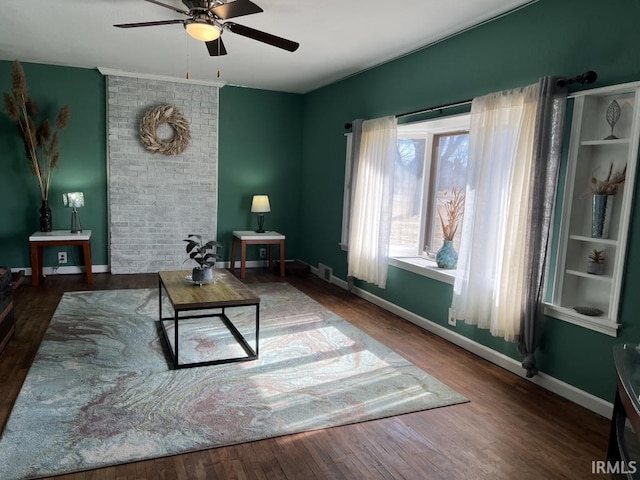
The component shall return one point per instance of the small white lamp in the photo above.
(74, 200)
(260, 205)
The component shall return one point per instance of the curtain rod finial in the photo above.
(586, 77)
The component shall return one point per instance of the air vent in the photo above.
(325, 272)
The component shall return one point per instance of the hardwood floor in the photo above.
(509, 429)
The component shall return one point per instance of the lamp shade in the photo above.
(73, 199)
(260, 204)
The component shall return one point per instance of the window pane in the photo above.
(407, 197)
(450, 155)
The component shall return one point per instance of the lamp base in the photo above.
(76, 225)
(260, 228)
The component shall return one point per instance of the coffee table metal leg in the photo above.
(257, 328)
(175, 327)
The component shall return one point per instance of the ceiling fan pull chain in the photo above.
(186, 44)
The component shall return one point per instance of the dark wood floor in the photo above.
(510, 429)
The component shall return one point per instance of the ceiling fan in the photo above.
(204, 23)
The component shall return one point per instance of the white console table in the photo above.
(39, 240)
(249, 237)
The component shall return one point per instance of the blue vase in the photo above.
(447, 257)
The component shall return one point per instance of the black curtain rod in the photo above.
(587, 77)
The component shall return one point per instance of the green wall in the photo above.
(550, 37)
(260, 150)
(82, 164)
(292, 148)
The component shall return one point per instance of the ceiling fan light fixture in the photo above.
(202, 30)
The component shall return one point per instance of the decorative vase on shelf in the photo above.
(46, 220)
(447, 257)
(601, 215)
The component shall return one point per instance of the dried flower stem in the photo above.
(41, 146)
(454, 208)
(610, 185)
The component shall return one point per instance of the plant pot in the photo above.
(601, 215)
(202, 275)
(447, 257)
(595, 268)
(46, 220)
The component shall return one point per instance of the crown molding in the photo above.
(164, 78)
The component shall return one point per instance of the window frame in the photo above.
(430, 129)
(421, 263)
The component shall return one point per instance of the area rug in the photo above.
(101, 390)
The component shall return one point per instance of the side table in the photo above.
(57, 238)
(249, 237)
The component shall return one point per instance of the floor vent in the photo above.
(325, 272)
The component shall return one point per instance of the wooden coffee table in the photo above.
(225, 292)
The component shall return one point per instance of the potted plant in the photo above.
(204, 254)
(447, 257)
(595, 265)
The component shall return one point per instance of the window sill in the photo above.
(597, 324)
(424, 267)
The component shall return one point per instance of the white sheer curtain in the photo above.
(489, 285)
(371, 200)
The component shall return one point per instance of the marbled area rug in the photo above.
(101, 391)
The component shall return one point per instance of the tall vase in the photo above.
(447, 257)
(601, 208)
(46, 220)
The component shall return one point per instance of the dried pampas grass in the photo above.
(40, 142)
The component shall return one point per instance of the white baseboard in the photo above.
(248, 264)
(566, 390)
(68, 270)
(73, 269)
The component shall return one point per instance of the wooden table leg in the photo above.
(243, 259)
(234, 251)
(86, 250)
(35, 272)
(282, 258)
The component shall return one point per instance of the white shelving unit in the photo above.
(590, 155)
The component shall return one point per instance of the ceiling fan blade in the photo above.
(148, 24)
(170, 7)
(201, 4)
(237, 8)
(262, 37)
(216, 47)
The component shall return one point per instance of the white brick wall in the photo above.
(155, 200)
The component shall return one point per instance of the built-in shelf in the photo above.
(598, 323)
(617, 141)
(590, 156)
(590, 276)
(604, 241)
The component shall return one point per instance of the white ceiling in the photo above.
(338, 38)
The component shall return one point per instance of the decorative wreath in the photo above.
(155, 117)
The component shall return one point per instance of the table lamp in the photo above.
(260, 205)
(74, 200)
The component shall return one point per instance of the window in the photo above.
(431, 162)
